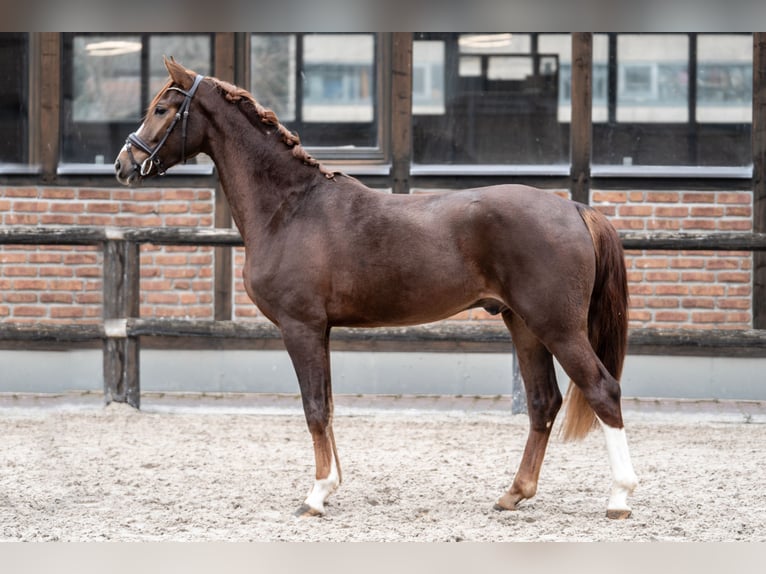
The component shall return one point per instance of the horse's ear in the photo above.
(180, 75)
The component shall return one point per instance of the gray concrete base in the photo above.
(371, 373)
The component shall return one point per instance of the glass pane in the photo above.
(14, 97)
(273, 75)
(650, 120)
(107, 85)
(193, 51)
(323, 86)
(724, 78)
(653, 78)
(491, 98)
(428, 76)
(106, 82)
(338, 78)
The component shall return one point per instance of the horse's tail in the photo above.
(607, 318)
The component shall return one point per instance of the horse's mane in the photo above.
(235, 94)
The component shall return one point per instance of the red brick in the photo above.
(698, 303)
(699, 197)
(698, 277)
(663, 224)
(68, 285)
(29, 311)
(81, 258)
(609, 197)
(662, 197)
(675, 211)
(628, 224)
(662, 276)
(103, 208)
(739, 211)
(46, 219)
(30, 284)
(707, 211)
(662, 303)
(72, 207)
(30, 206)
(738, 290)
(163, 260)
(55, 272)
(20, 192)
(20, 271)
(677, 289)
(733, 277)
(21, 297)
(709, 317)
(671, 316)
(739, 198)
(731, 303)
(172, 208)
(707, 224)
(69, 312)
(636, 196)
(57, 193)
(651, 263)
(64, 298)
(42, 258)
(687, 263)
(12, 258)
(179, 194)
(707, 290)
(87, 194)
(734, 225)
(21, 219)
(635, 210)
(721, 263)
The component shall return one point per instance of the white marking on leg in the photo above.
(623, 476)
(323, 487)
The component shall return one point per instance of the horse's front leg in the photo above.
(308, 347)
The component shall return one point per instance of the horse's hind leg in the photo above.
(308, 348)
(602, 392)
(543, 403)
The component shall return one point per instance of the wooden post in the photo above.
(121, 290)
(759, 176)
(401, 110)
(50, 103)
(223, 298)
(581, 125)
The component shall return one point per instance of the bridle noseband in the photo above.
(181, 115)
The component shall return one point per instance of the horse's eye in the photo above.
(160, 111)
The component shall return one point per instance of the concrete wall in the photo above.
(375, 373)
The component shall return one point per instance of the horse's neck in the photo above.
(258, 176)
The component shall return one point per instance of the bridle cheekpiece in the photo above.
(182, 115)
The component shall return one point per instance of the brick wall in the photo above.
(58, 284)
(690, 289)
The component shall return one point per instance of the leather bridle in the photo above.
(182, 115)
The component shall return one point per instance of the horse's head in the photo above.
(169, 133)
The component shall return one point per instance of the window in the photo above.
(323, 86)
(672, 100)
(490, 99)
(108, 82)
(14, 98)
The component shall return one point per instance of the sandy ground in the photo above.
(415, 469)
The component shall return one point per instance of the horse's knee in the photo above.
(543, 410)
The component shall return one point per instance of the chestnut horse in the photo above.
(324, 250)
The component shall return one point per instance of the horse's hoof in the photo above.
(618, 514)
(506, 502)
(305, 511)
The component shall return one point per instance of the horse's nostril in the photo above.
(117, 165)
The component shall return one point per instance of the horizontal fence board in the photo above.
(488, 333)
(29, 235)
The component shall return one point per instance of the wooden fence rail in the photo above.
(121, 328)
